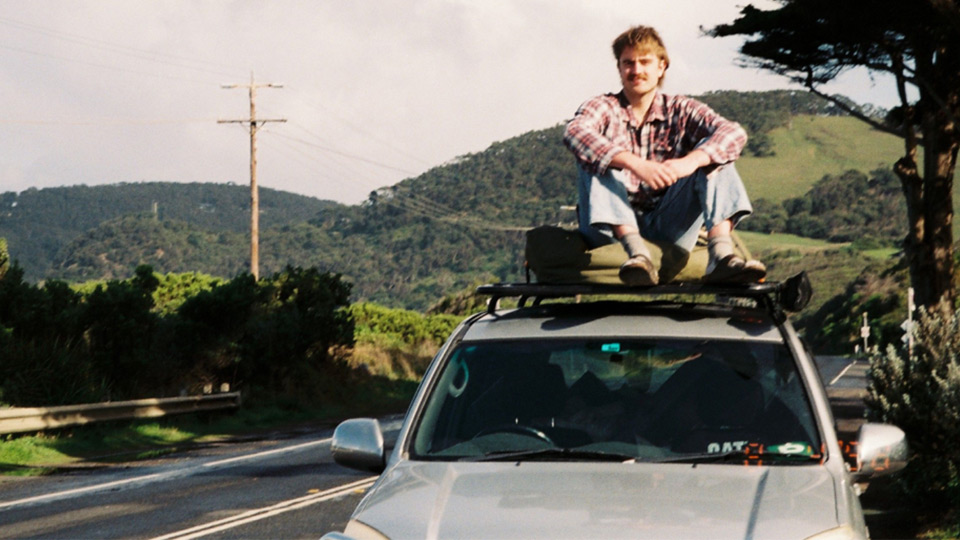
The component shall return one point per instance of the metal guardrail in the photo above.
(23, 419)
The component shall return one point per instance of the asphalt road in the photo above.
(282, 485)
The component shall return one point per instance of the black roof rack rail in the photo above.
(792, 295)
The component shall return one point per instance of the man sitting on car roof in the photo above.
(658, 164)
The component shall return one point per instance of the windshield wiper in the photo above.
(553, 454)
(742, 456)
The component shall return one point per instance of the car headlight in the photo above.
(844, 532)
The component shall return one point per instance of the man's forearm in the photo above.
(699, 158)
(626, 160)
(689, 163)
(661, 175)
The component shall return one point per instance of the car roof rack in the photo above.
(792, 294)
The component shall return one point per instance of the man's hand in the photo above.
(657, 175)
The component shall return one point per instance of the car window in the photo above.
(647, 399)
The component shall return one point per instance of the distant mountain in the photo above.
(412, 243)
(38, 223)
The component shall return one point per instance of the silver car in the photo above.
(664, 418)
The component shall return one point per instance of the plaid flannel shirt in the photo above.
(605, 126)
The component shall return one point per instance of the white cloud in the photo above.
(375, 90)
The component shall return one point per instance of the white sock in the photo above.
(634, 245)
(719, 248)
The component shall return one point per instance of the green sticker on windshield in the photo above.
(797, 448)
(610, 347)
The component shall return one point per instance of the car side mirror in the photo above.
(881, 450)
(358, 444)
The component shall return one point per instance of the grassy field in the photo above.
(812, 147)
(762, 242)
(881, 253)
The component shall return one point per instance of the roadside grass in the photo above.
(44, 453)
(384, 386)
(23, 456)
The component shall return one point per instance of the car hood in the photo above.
(599, 500)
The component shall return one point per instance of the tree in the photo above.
(918, 43)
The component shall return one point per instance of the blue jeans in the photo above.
(701, 199)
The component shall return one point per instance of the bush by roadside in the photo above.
(396, 343)
(152, 337)
(919, 392)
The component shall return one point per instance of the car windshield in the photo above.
(629, 399)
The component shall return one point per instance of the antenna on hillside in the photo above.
(254, 124)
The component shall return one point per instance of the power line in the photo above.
(347, 155)
(425, 207)
(324, 170)
(154, 56)
(82, 46)
(469, 222)
(425, 202)
(104, 66)
(385, 142)
(107, 122)
(336, 170)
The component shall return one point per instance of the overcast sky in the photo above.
(374, 91)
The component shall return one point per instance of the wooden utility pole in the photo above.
(255, 124)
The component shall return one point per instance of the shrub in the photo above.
(266, 334)
(401, 325)
(175, 289)
(920, 393)
(397, 343)
(119, 327)
(154, 336)
(46, 373)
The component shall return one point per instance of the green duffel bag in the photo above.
(557, 255)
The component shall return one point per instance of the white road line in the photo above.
(155, 477)
(78, 491)
(842, 373)
(266, 453)
(266, 512)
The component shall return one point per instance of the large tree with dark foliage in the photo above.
(918, 43)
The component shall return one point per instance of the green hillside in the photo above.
(811, 147)
(38, 223)
(111, 249)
